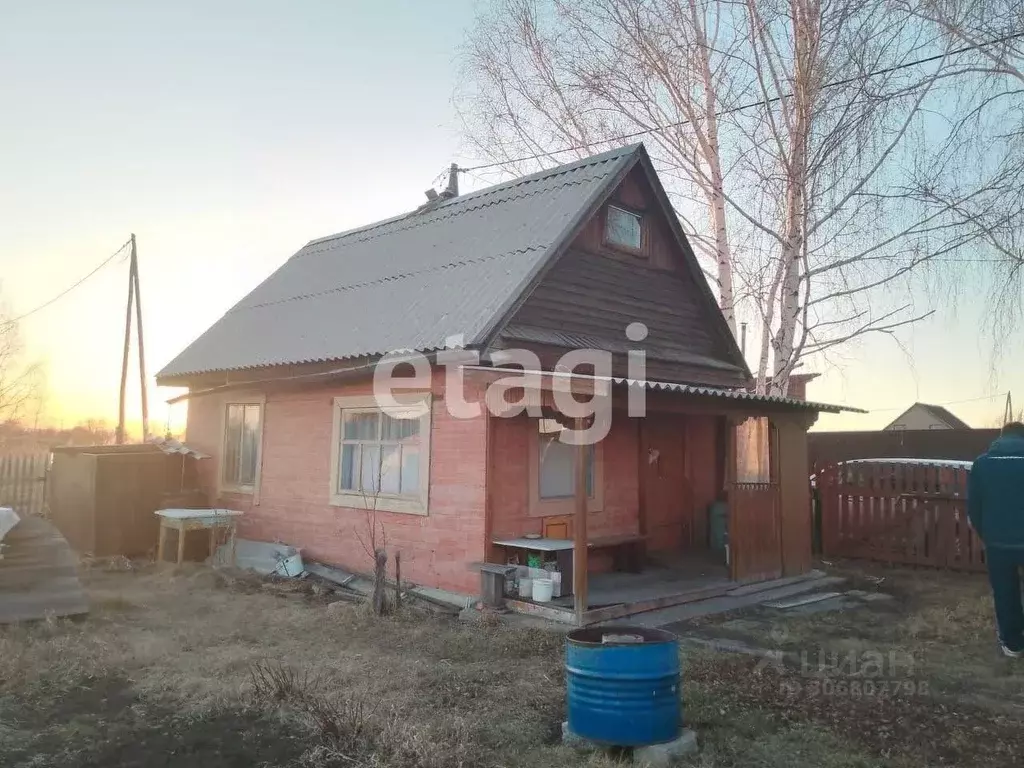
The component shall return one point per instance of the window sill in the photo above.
(239, 490)
(405, 506)
(561, 507)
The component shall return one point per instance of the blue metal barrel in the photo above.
(623, 685)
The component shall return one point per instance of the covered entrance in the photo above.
(706, 492)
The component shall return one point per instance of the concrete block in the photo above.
(660, 755)
(654, 756)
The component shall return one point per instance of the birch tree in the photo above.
(987, 140)
(783, 129)
(571, 74)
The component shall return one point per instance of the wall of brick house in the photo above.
(292, 503)
(510, 482)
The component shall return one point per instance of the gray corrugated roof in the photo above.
(737, 394)
(410, 282)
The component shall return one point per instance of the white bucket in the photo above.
(542, 590)
(525, 587)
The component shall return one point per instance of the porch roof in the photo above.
(698, 390)
(737, 394)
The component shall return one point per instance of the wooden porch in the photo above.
(658, 480)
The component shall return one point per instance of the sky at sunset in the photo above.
(227, 134)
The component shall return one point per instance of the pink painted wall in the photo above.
(292, 504)
(511, 482)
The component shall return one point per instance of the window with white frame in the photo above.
(623, 228)
(381, 459)
(241, 445)
(557, 470)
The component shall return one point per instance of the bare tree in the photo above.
(573, 74)
(984, 147)
(788, 124)
(21, 382)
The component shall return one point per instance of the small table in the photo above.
(627, 552)
(185, 520)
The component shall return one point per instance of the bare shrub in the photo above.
(273, 681)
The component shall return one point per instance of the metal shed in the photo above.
(102, 498)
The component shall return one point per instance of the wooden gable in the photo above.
(596, 288)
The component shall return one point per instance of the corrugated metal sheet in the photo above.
(683, 389)
(410, 282)
(736, 394)
(38, 573)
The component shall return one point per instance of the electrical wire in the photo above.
(951, 402)
(69, 289)
(751, 105)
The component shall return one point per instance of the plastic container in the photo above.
(526, 587)
(623, 685)
(542, 590)
(556, 584)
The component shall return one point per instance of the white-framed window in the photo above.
(557, 464)
(381, 459)
(240, 460)
(623, 228)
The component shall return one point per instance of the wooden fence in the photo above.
(23, 482)
(898, 513)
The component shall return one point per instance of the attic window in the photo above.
(622, 228)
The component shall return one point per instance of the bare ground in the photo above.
(192, 668)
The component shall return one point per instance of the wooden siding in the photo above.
(657, 243)
(754, 531)
(795, 510)
(589, 300)
(595, 290)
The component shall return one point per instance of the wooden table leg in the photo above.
(181, 544)
(213, 541)
(162, 541)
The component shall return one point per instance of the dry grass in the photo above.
(193, 668)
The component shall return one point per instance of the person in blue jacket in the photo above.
(995, 506)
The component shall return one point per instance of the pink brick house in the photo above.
(280, 388)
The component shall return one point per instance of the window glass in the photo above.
(380, 452)
(557, 465)
(752, 451)
(623, 228)
(241, 444)
(361, 425)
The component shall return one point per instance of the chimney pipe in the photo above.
(743, 339)
(453, 181)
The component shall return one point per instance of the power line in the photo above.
(761, 103)
(68, 290)
(951, 402)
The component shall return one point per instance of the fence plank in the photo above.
(898, 513)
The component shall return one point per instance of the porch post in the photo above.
(579, 541)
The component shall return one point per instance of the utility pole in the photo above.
(1008, 410)
(133, 294)
(142, 347)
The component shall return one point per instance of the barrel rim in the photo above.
(592, 636)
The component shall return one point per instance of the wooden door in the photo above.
(666, 511)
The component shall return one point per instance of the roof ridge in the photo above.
(597, 159)
(423, 220)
